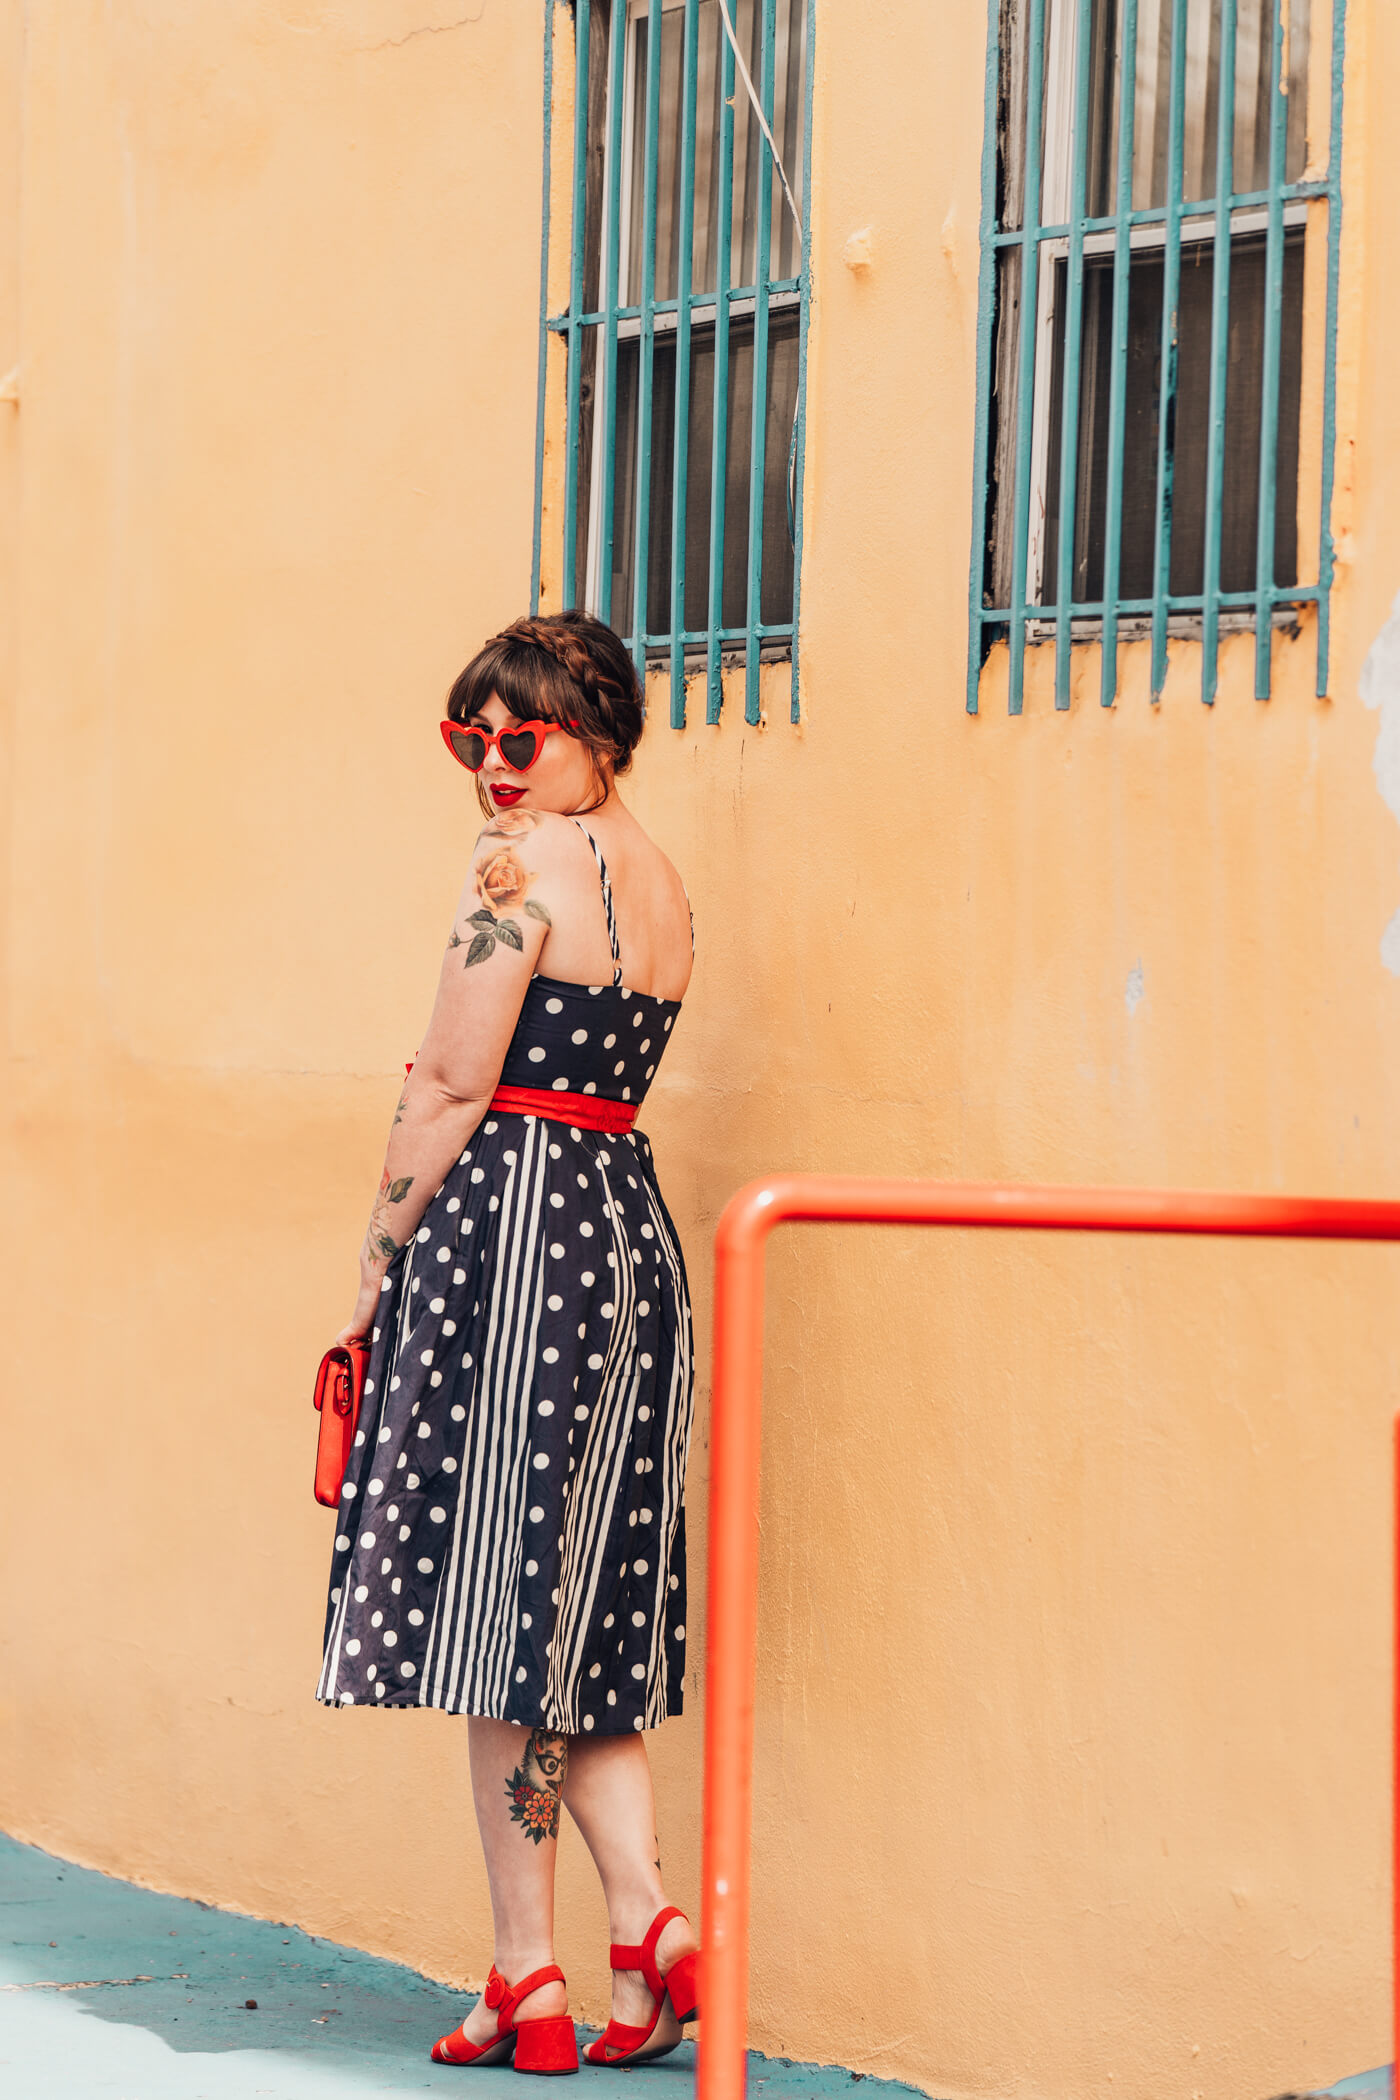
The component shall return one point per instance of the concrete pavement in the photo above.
(108, 1992)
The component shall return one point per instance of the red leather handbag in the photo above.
(340, 1385)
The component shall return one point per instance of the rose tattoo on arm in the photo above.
(501, 883)
(379, 1241)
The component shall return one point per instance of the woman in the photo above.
(511, 1542)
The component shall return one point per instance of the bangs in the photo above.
(529, 685)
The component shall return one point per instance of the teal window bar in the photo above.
(688, 301)
(1156, 216)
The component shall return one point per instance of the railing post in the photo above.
(730, 1636)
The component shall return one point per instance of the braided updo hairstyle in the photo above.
(559, 667)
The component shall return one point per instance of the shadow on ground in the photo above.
(1371, 2085)
(108, 1992)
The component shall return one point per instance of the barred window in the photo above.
(1145, 257)
(688, 295)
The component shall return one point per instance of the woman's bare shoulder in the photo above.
(530, 824)
(562, 848)
(665, 868)
(534, 850)
(540, 834)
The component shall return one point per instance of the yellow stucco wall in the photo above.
(1073, 1678)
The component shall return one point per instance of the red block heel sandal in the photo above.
(621, 2045)
(549, 2047)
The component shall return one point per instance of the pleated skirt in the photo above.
(511, 1535)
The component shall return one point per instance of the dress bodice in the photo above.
(600, 1039)
(588, 1039)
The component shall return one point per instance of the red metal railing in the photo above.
(740, 1240)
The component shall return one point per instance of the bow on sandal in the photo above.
(547, 2046)
(620, 2044)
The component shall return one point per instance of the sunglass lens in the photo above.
(469, 745)
(520, 748)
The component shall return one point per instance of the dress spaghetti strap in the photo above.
(608, 903)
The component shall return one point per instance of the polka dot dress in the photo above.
(511, 1537)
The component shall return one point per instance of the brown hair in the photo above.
(560, 667)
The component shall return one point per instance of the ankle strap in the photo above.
(644, 1957)
(503, 1997)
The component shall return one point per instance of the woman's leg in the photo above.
(517, 1779)
(608, 1792)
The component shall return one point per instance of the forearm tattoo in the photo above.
(537, 1784)
(379, 1241)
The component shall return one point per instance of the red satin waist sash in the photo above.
(584, 1111)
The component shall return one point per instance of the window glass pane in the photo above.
(1253, 61)
(777, 581)
(788, 119)
(1150, 70)
(595, 155)
(789, 103)
(1149, 64)
(587, 400)
(624, 483)
(709, 80)
(779, 465)
(1240, 489)
(668, 159)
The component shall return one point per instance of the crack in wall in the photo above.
(396, 43)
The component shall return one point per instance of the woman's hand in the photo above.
(361, 1322)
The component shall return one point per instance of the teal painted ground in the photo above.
(107, 1990)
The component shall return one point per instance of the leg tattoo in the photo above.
(536, 1784)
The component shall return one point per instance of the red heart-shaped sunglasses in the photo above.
(518, 747)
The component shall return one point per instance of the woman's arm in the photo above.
(496, 938)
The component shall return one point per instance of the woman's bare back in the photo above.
(649, 903)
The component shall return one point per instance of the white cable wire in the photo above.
(758, 112)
